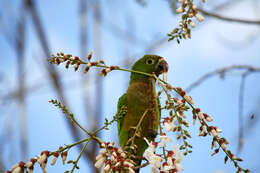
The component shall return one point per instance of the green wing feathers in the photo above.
(159, 107)
(122, 102)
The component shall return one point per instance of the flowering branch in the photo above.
(71, 116)
(173, 105)
(189, 11)
(63, 151)
(43, 158)
(247, 69)
(178, 107)
(114, 159)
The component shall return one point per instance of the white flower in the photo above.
(179, 167)
(151, 145)
(64, 156)
(183, 115)
(101, 158)
(218, 130)
(156, 161)
(117, 164)
(42, 159)
(100, 162)
(131, 170)
(88, 65)
(233, 157)
(43, 166)
(166, 167)
(164, 139)
(108, 70)
(201, 116)
(53, 161)
(154, 169)
(106, 168)
(192, 24)
(207, 117)
(179, 10)
(177, 155)
(128, 164)
(103, 145)
(214, 144)
(199, 17)
(214, 133)
(101, 154)
(15, 166)
(113, 158)
(148, 154)
(169, 124)
(17, 170)
(223, 145)
(123, 155)
(28, 164)
(194, 121)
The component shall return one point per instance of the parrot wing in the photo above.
(159, 107)
(122, 103)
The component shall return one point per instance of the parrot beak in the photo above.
(162, 67)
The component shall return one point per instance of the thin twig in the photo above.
(142, 166)
(137, 128)
(70, 146)
(221, 71)
(80, 154)
(229, 19)
(240, 111)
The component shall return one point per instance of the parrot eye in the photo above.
(149, 61)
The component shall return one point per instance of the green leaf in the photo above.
(226, 159)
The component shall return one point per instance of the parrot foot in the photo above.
(152, 133)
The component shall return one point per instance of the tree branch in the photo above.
(20, 55)
(221, 71)
(240, 111)
(229, 19)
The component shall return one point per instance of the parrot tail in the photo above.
(137, 163)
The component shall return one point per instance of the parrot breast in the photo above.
(141, 98)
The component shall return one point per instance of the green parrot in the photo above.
(139, 99)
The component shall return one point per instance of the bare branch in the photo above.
(229, 19)
(20, 45)
(221, 71)
(249, 69)
(240, 111)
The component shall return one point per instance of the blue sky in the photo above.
(214, 44)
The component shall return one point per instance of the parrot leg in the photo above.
(152, 133)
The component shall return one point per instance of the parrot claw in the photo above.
(152, 133)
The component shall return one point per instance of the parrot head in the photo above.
(149, 64)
